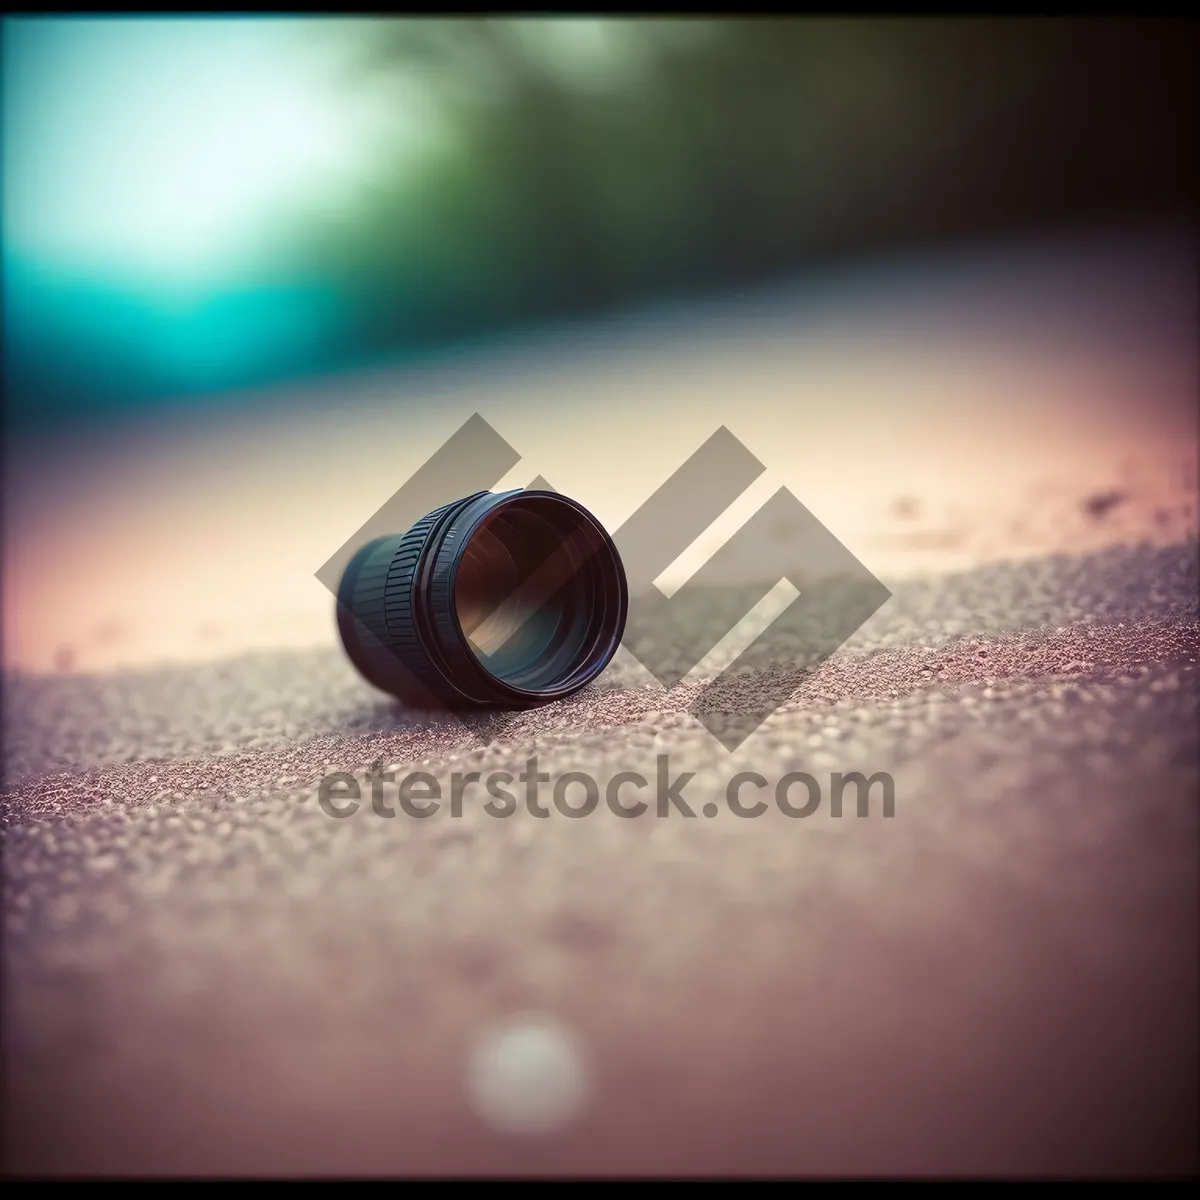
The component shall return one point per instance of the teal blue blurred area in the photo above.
(79, 346)
(145, 164)
(196, 208)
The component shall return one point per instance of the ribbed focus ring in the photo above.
(400, 615)
(376, 615)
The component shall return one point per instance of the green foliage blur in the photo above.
(568, 167)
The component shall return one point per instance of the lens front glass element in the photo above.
(521, 596)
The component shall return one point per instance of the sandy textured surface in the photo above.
(206, 973)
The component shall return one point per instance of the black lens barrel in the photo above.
(497, 600)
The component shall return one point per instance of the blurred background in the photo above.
(194, 206)
(221, 233)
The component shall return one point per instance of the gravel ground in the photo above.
(205, 973)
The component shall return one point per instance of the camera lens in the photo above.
(498, 600)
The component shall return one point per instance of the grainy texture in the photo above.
(206, 973)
